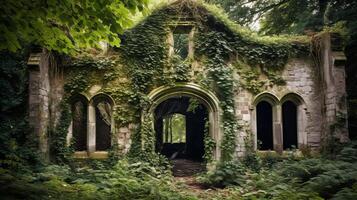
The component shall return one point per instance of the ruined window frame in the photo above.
(183, 27)
(91, 151)
(277, 103)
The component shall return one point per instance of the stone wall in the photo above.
(333, 73)
(302, 78)
(323, 99)
(45, 94)
(39, 100)
(319, 91)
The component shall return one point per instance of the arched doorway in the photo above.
(168, 101)
(180, 128)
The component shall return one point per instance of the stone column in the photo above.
(91, 129)
(333, 81)
(277, 130)
(39, 89)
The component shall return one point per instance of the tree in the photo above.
(291, 16)
(299, 16)
(64, 25)
(246, 12)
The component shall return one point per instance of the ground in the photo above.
(330, 176)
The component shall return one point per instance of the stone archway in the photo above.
(204, 96)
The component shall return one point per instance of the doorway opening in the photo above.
(180, 126)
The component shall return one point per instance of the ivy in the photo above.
(143, 63)
(180, 69)
(210, 144)
(60, 151)
(250, 78)
(77, 83)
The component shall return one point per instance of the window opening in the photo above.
(289, 125)
(103, 113)
(181, 44)
(79, 125)
(264, 126)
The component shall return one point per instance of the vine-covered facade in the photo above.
(235, 90)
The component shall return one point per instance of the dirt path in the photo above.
(184, 172)
(185, 167)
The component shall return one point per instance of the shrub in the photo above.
(252, 161)
(225, 174)
(270, 159)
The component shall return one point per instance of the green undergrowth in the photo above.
(273, 177)
(96, 180)
(268, 176)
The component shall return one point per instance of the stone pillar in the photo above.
(39, 89)
(91, 129)
(277, 130)
(333, 81)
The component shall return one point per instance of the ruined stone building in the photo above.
(234, 90)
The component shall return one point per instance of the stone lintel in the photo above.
(34, 60)
(339, 58)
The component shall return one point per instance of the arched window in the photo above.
(79, 123)
(290, 125)
(103, 122)
(264, 116)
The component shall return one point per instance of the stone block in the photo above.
(123, 130)
(246, 118)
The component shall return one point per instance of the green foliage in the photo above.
(180, 68)
(225, 174)
(249, 78)
(77, 84)
(145, 64)
(18, 147)
(59, 149)
(104, 63)
(66, 25)
(214, 47)
(146, 54)
(86, 71)
(125, 180)
(281, 178)
(210, 144)
(299, 16)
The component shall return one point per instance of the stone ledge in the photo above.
(94, 155)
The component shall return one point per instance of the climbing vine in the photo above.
(221, 75)
(210, 144)
(143, 63)
(61, 151)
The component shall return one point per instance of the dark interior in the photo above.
(79, 126)
(289, 125)
(264, 126)
(193, 148)
(103, 120)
